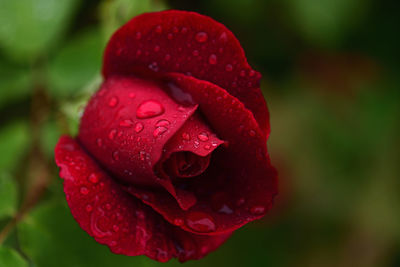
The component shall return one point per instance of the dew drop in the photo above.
(252, 133)
(111, 134)
(203, 137)
(153, 66)
(167, 57)
(138, 52)
(159, 131)
(196, 144)
(184, 30)
(242, 73)
(200, 222)
(108, 206)
(252, 73)
(84, 190)
(228, 67)
(156, 48)
(138, 35)
(207, 147)
(132, 95)
(223, 37)
(163, 123)
(170, 36)
(93, 178)
(212, 59)
(115, 228)
(178, 221)
(126, 123)
(257, 210)
(115, 155)
(149, 109)
(113, 101)
(195, 53)
(89, 208)
(158, 29)
(201, 37)
(186, 136)
(139, 127)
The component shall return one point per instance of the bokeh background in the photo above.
(331, 79)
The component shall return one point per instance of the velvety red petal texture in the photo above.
(171, 154)
(240, 183)
(118, 220)
(191, 44)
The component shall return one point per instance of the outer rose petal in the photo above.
(188, 43)
(118, 220)
(240, 183)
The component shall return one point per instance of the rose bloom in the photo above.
(171, 154)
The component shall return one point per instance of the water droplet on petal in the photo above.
(156, 48)
(186, 136)
(139, 127)
(113, 243)
(138, 35)
(184, 30)
(112, 133)
(223, 37)
(158, 29)
(200, 222)
(203, 137)
(115, 228)
(108, 206)
(256, 210)
(153, 66)
(242, 73)
(195, 53)
(201, 37)
(89, 208)
(251, 73)
(212, 59)
(228, 67)
(159, 131)
(252, 133)
(196, 144)
(167, 57)
(84, 190)
(132, 95)
(163, 123)
(170, 36)
(93, 178)
(149, 109)
(207, 147)
(113, 101)
(126, 123)
(115, 155)
(178, 221)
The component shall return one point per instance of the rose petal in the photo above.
(188, 43)
(118, 220)
(240, 183)
(116, 130)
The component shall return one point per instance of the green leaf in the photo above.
(30, 27)
(8, 196)
(76, 64)
(51, 237)
(14, 143)
(11, 258)
(15, 83)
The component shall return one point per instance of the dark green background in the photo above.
(330, 77)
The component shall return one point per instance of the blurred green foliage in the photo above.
(331, 80)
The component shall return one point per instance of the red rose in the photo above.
(171, 155)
